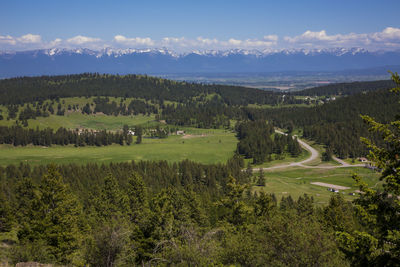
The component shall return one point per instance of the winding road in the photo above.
(314, 155)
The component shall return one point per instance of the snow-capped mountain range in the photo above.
(111, 60)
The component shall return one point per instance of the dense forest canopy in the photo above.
(154, 213)
(29, 89)
(187, 213)
(336, 124)
(346, 88)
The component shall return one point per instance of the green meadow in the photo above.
(296, 181)
(75, 120)
(200, 145)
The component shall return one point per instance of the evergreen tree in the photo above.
(60, 219)
(6, 215)
(136, 197)
(129, 139)
(338, 215)
(112, 203)
(378, 243)
(138, 133)
(27, 209)
(234, 209)
(264, 205)
(261, 179)
(249, 170)
(327, 154)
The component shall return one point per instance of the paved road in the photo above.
(314, 155)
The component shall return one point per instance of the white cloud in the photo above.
(213, 43)
(168, 40)
(388, 38)
(387, 34)
(9, 40)
(80, 40)
(234, 42)
(30, 38)
(206, 41)
(120, 39)
(272, 37)
(56, 42)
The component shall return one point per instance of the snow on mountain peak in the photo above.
(117, 52)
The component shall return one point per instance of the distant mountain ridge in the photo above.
(152, 61)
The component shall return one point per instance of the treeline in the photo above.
(135, 107)
(210, 114)
(31, 89)
(346, 88)
(18, 136)
(154, 213)
(255, 142)
(337, 124)
(28, 112)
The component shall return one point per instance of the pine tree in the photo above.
(27, 209)
(136, 197)
(264, 205)
(129, 139)
(234, 211)
(249, 170)
(60, 219)
(378, 243)
(112, 203)
(138, 133)
(6, 216)
(261, 179)
(327, 155)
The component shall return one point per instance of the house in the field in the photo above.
(180, 132)
(362, 159)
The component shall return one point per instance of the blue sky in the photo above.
(183, 25)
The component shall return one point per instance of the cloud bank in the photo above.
(387, 39)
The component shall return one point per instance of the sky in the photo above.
(201, 25)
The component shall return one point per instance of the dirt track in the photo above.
(314, 155)
(338, 187)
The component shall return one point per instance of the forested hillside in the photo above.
(336, 124)
(183, 212)
(346, 88)
(154, 213)
(30, 89)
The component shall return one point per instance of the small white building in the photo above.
(180, 132)
(130, 132)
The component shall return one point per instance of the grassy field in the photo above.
(297, 181)
(280, 105)
(78, 120)
(204, 145)
(75, 119)
(288, 159)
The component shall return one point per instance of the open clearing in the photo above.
(215, 146)
(78, 120)
(296, 181)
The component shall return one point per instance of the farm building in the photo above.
(362, 159)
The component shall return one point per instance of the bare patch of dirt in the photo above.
(189, 136)
(338, 187)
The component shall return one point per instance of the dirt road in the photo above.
(314, 155)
